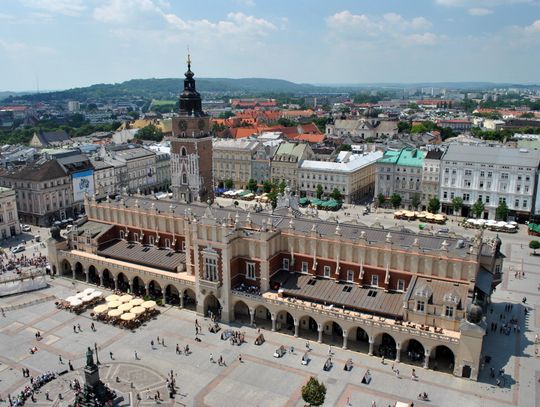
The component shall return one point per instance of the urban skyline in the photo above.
(62, 44)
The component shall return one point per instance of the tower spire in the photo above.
(188, 59)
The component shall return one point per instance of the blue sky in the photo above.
(68, 43)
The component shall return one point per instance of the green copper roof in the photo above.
(409, 157)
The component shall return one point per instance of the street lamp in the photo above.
(97, 357)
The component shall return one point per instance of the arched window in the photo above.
(183, 152)
(184, 178)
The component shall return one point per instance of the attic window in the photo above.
(347, 289)
(372, 293)
(312, 282)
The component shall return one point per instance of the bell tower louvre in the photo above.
(191, 147)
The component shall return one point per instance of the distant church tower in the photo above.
(191, 147)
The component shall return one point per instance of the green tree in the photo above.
(433, 205)
(457, 204)
(272, 197)
(381, 199)
(395, 199)
(319, 191)
(535, 245)
(267, 186)
(149, 132)
(314, 392)
(478, 208)
(404, 127)
(415, 201)
(229, 183)
(336, 194)
(281, 187)
(251, 185)
(502, 211)
(286, 122)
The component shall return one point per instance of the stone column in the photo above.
(320, 329)
(371, 342)
(251, 316)
(181, 295)
(115, 280)
(296, 327)
(131, 286)
(398, 351)
(273, 316)
(73, 273)
(426, 360)
(345, 334)
(164, 300)
(146, 287)
(87, 274)
(100, 279)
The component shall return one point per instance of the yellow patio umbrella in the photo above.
(138, 310)
(125, 298)
(148, 304)
(101, 308)
(115, 313)
(113, 304)
(125, 307)
(136, 301)
(127, 316)
(112, 297)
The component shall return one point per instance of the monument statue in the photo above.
(89, 357)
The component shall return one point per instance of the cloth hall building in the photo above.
(409, 297)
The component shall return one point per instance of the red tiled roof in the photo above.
(310, 138)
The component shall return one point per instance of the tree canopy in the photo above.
(314, 392)
(395, 199)
(502, 211)
(478, 208)
(535, 245)
(149, 132)
(433, 205)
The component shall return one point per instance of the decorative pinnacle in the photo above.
(188, 58)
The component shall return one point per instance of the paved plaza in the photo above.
(259, 379)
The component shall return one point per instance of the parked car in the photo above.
(26, 228)
(18, 249)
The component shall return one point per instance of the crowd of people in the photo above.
(28, 392)
(21, 263)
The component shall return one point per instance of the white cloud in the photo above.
(21, 49)
(247, 3)
(479, 11)
(65, 7)
(6, 17)
(533, 28)
(149, 16)
(391, 27)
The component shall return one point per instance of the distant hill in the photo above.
(170, 88)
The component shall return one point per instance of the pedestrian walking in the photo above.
(220, 360)
(60, 359)
(111, 355)
(74, 329)
(79, 327)
(92, 327)
(211, 358)
(152, 343)
(240, 358)
(382, 360)
(177, 349)
(136, 355)
(162, 341)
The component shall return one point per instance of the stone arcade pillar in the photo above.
(426, 359)
(398, 351)
(320, 330)
(181, 295)
(345, 334)
(296, 327)
(87, 274)
(164, 299)
(100, 279)
(115, 281)
(371, 342)
(251, 316)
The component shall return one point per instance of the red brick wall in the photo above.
(219, 264)
(276, 262)
(238, 272)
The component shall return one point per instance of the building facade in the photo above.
(44, 191)
(400, 172)
(232, 159)
(490, 175)
(430, 177)
(353, 176)
(9, 218)
(399, 293)
(286, 163)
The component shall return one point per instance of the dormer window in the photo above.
(449, 311)
(420, 306)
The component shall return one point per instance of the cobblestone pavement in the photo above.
(259, 379)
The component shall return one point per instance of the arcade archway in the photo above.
(108, 281)
(79, 272)
(412, 352)
(263, 317)
(358, 340)
(285, 322)
(138, 287)
(154, 290)
(93, 275)
(190, 299)
(385, 345)
(123, 282)
(241, 312)
(212, 307)
(442, 358)
(172, 296)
